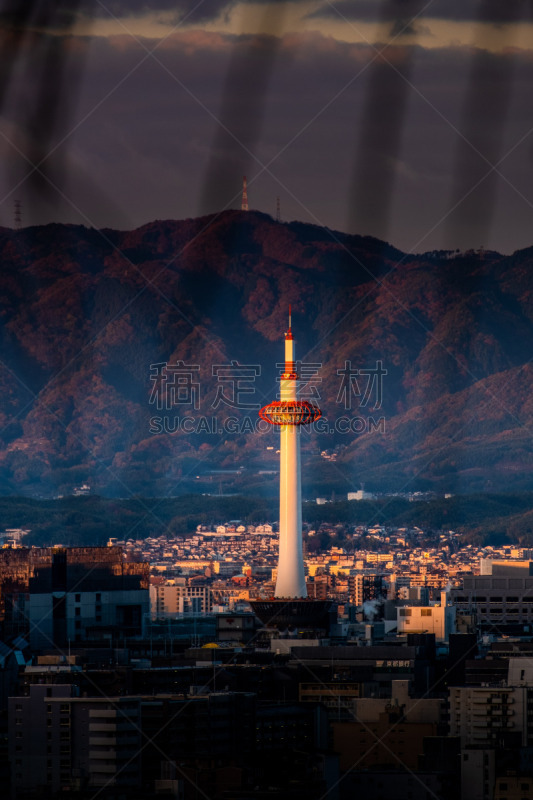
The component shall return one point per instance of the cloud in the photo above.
(192, 11)
(142, 138)
(497, 12)
(64, 14)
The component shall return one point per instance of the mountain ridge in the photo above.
(86, 313)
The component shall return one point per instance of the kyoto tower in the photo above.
(289, 413)
(290, 607)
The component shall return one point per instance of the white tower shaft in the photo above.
(291, 574)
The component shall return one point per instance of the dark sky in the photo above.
(407, 120)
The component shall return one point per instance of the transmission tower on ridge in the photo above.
(17, 214)
(244, 204)
(278, 210)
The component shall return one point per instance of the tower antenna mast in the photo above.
(17, 213)
(244, 203)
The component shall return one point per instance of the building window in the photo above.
(406, 612)
(77, 612)
(426, 612)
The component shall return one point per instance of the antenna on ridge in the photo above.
(278, 210)
(244, 203)
(17, 214)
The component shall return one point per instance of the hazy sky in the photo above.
(407, 120)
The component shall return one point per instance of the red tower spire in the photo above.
(288, 335)
(290, 410)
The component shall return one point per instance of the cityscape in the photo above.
(266, 381)
(419, 682)
(244, 661)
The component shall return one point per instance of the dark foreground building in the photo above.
(59, 595)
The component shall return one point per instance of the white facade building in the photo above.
(438, 619)
(168, 601)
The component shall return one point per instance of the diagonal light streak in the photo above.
(149, 281)
(379, 514)
(500, 161)
(267, 170)
(185, 88)
(437, 111)
(119, 710)
(85, 446)
(150, 511)
(106, 97)
(145, 287)
(415, 246)
(337, 240)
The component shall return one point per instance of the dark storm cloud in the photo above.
(63, 14)
(19, 17)
(493, 11)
